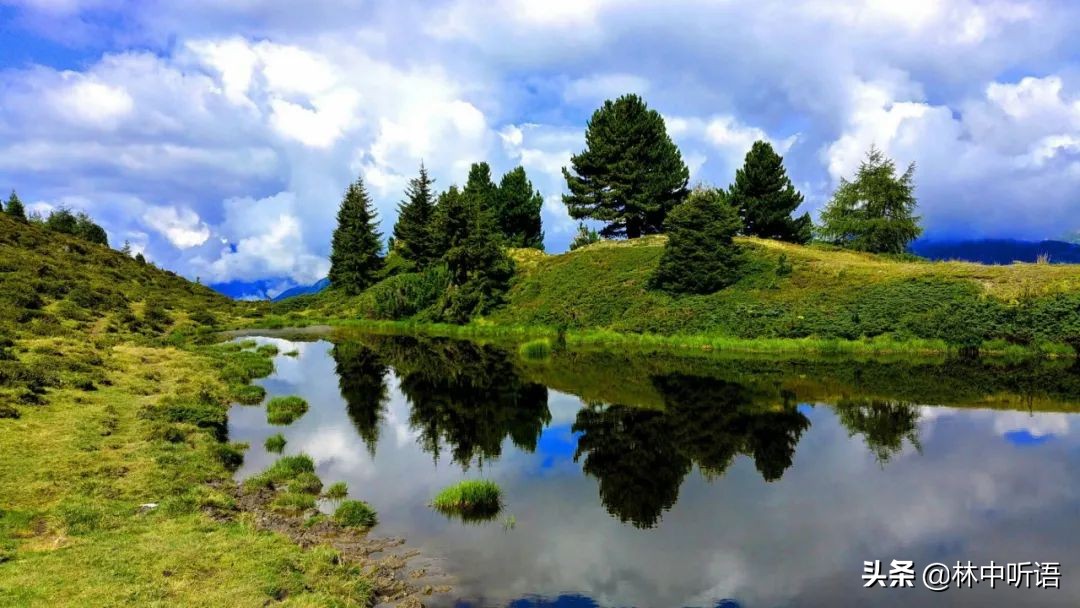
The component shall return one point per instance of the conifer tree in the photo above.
(413, 232)
(876, 211)
(630, 174)
(477, 264)
(700, 256)
(357, 243)
(765, 197)
(481, 190)
(14, 207)
(584, 236)
(519, 210)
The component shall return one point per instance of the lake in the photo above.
(710, 481)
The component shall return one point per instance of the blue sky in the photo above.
(217, 136)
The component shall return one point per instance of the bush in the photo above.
(405, 295)
(355, 514)
(275, 443)
(285, 410)
(700, 256)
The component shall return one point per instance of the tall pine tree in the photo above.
(630, 174)
(700, 256)
(356, 244)
(876, 211)
(481, 190)
(519, 210)
(478, 266)
(14, 207)
(766, 198)
(413, 233)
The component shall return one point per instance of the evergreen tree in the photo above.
(766, 198)
(14, 207)
(519, 210)
(86, 229)
(356, 244)
(126, 249)
(478, 266)
(876, 211)
(630, 174)
(584, 236)
(700, 256)
(481, 190)
(413, 237)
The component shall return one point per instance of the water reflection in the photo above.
(806, 469)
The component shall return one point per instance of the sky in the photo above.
(218, 136)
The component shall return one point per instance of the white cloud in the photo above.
(92, 103)
(182, 227)
(595, 89)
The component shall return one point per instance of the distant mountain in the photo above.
(301, 290)
(998, 251)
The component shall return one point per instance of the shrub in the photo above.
(248, 394)
(275, 443)
(472, 500)
(404, 295)
(285, 410)
(355, 514)
(700, 256)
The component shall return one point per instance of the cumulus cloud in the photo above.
(221, 111)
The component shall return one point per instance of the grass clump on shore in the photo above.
(337, 491)
(355, 514)
(248, 394)
(287, 468)
(539, 348)
(285, 410)
(275, 444)
(267, 349)
(471, 500)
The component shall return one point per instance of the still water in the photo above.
(655, 482)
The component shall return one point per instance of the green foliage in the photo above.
(292, 502)
(536, 349)
(230, 455)
(478, 267)
(305, 483)
(700, 256)
(472, 500)
(414, 238)
(355, 514)
(275, 443)
(248, 394)
(269, 350)
(766, 198)
(584, 236)
(78, 225)
(285, 469)
(630, 175)
(356, 243)
(80, 515)
(876, 211)
(14, 208)
(519, 207)
(285, 410)
(482, 192)
(337, 491)
(8, 411)
(405, 295)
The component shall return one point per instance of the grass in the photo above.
(471, 500)
(355, 514)
(337, 491)
(275, 443)
(539, 348)
(267, 349)
(285, 469)
(248, 394)
(285, 410)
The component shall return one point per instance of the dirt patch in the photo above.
(400, 576)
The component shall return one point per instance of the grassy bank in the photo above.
(788, 299)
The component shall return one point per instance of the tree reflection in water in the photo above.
(362, 382)
(884, 425)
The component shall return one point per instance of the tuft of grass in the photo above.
(355, 514)
(306, 483)
(337, 491)
(285, 410)
(293, 501)
(539, 348)
(248, 394)
(471, 500)
(275, 443)
(267, 349)
(283, 470)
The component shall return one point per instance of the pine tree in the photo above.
(876, 211)
(14, 207)
(356, 244)
(584, 236)
(126, 249)
(519, 210)
(478, 266)
(413, 237)
(765, 197)
(630, 175)
(481, 190)
(700, 256)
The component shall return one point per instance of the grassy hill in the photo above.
(785, 291)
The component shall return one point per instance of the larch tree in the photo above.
(630, 174)
(355, 258)
(519, 207)
(874, 212)
(700, 255)
(765, 198)
(413, 232)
